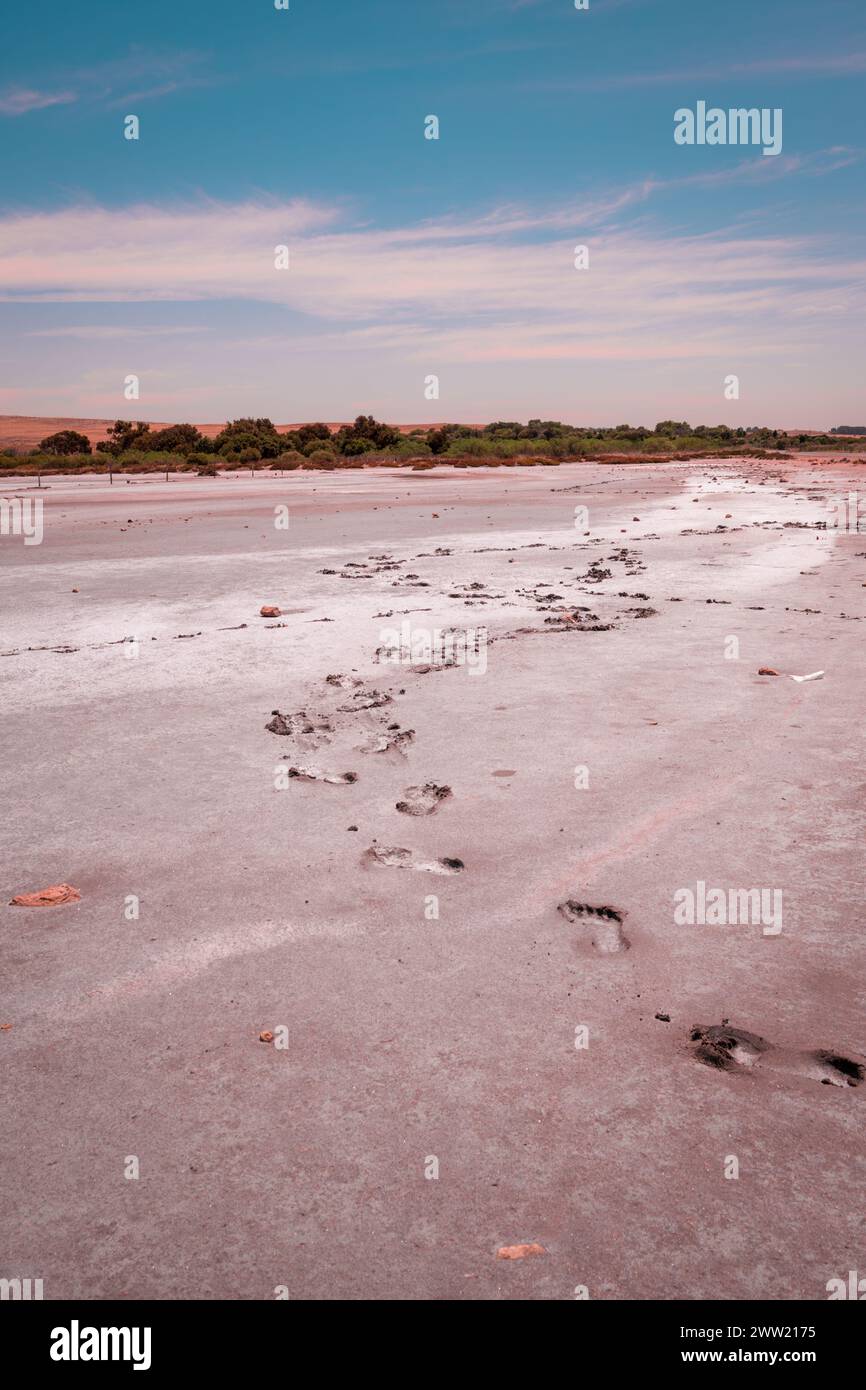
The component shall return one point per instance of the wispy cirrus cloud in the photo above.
(496, 287)
(849, 64)
(141, 74)
(17, 101)
(115, 332)
(144, 74)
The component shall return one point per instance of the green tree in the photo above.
(179, 439)
(305, 435)
(672, 428)
(365, 436)
(291, 459)
(250, 433)
(123, 436)
(65, 442)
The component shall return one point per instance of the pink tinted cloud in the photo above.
(502, 286)
(17, 101)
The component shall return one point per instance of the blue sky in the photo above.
(411, 257)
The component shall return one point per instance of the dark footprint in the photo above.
(343, 682)
(603, 923)
(727, 1048)
(301, 727)
(316, 774)
(837, 1070)
(733, 1049)
(422, 801)
(365, 699)
(396, 741)
(405, 859)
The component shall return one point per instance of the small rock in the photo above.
(280, 724)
